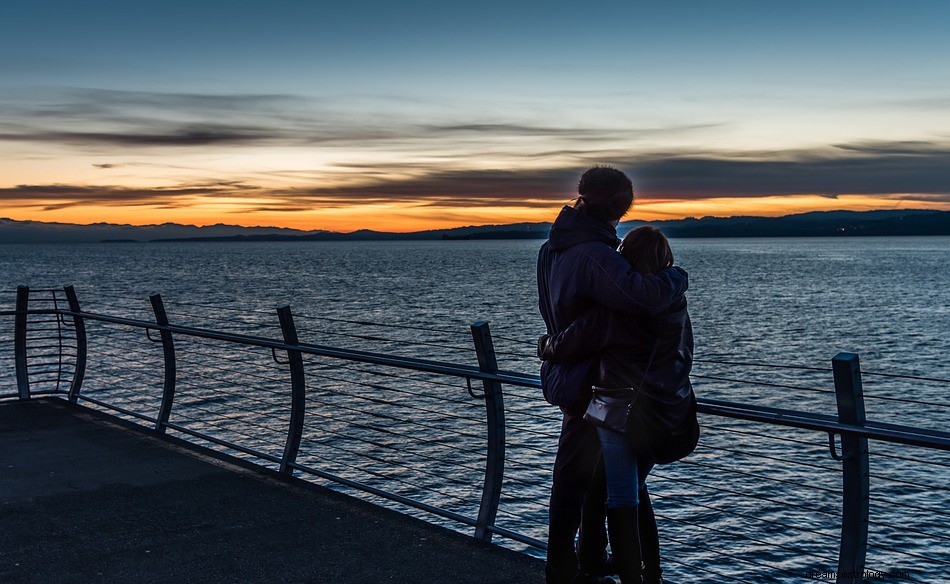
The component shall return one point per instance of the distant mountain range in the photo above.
(816, 224)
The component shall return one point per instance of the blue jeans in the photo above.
(626, 474)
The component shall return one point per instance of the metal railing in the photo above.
(356, 418)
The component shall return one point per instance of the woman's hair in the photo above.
(605, 193)
(647, 250)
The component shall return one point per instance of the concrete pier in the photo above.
(86, 498)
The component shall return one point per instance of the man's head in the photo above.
(605, 193)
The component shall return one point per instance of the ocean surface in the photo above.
(755, 503)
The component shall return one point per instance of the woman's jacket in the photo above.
(650, 352)
(579, 268)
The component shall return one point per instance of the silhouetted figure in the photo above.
(649, 356)
(578, 268)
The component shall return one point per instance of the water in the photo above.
(766, 497)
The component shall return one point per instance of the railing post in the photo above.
(495, 410)
(298, 391)
(171, 364)
(19, 341)
(856, 485)
(81, 345)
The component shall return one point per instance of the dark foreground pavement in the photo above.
(87, 499)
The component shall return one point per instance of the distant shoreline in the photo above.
(894, 223)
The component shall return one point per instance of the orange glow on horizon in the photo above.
(409, 217)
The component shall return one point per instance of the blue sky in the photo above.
(302, 106)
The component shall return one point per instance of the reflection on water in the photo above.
(761, 503)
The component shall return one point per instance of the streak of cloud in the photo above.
(102, 119)
(863, 168)
(198, 135)
(60, 196)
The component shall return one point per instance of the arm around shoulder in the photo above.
(613, 283)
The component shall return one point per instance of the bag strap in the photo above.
(649, 364)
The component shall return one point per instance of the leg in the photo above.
(620, 464)
(577, 454)
(592, 536)
(649, 539)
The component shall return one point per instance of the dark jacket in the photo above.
(623, 345)
(579, 267)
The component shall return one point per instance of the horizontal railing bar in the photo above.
(464, 402)
(762, 364)
(768, 410)
(889, 433)
(384, 494)
(45, 380)
(362, 468)
(800, 552)
(893, 501)
(810, 485)
(907, 553)
(766, 568)
(915, 460)
(872, 430)
(525, 539)
(389, 340)
(878, 477)
(33, 348)
(452, 369)
(775, 458)
(225, 443)
(762, 383)
(56, 372)
(908, 528)
(463, 333)
(906, 401)
(834, 538)
(822, 446)
(901, 428)
(380, 459)
(904, 376)
(742, 494)
(115, 408)
(442, 442)
(223, 426)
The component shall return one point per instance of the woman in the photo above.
(649, 356)
(579, 267)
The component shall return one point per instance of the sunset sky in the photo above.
(401, 116)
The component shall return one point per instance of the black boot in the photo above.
(561, 566)
(649, 539)
(625, 543)
(592, 535)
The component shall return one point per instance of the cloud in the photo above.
(879, 169)
(104, 119)
(578, 134)
(81, 103)
(442, 163)
(848, 169)
(101, 119)
(60, 196)
(197, 135)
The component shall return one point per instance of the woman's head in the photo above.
(647, 250)
(605, 193)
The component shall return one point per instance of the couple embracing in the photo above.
(616, 360)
